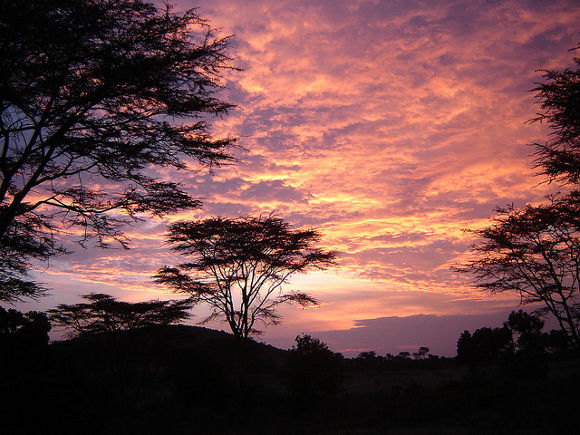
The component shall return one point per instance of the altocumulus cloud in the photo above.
(391, 125)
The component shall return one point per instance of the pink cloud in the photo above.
(391, 125)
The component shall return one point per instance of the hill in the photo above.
(184, 379)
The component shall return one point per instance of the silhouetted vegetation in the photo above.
(558, 95)
(535, 250)
(528, 328)
(32, 327)
(485, 344)
(104, 313)
(127, 373)
(422, 353)
(238, 267)
(174, 378)
(93, 94)
(98, 91)
(313, 370)
(518, 350)
(522, 334)
(21, 333)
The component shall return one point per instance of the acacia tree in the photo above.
(421, 353)
(94, 96)
(558, 158)
(103, 313)
(238, 267)
(535, 250)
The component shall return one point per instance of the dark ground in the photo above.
(188, 380)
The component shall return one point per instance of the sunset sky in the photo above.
(389, 125)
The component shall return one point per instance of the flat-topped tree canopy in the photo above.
(95, 95)
(238, 267)
(103, 313)
(535, 252)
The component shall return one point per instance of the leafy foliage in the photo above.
(23, 342)
(24, 329)
(313, 370)
(94, 96)
(103, 313)
(529, 329)
(529, 351)
(486, 344)
(559, 98)
(238, 267)
(535, 250)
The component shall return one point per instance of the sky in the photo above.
(391, 126)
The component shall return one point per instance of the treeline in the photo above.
(521, 336)
(130, 368)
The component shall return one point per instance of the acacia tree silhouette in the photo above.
(558, 158)
(114, 330)
(535, 250)
(94, 96)
(421, 353)
(103, 313)
(238, 267)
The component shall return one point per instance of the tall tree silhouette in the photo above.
(95, 95)
(535, 250)
(238, 267)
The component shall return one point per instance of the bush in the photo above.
(313, 370)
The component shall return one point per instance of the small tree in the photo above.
(313, 370)
(404, 355)
(23, 329)
(529, 329)
(369, 360)
(238, 267)
(486, 344)
(535, 251)
(103, 313)
(367, 355)
(23, 339)
(95, 95)
(113, 335)
(421, 353)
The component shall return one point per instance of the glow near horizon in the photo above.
(390, 126)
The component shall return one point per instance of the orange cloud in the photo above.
(391, 126)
